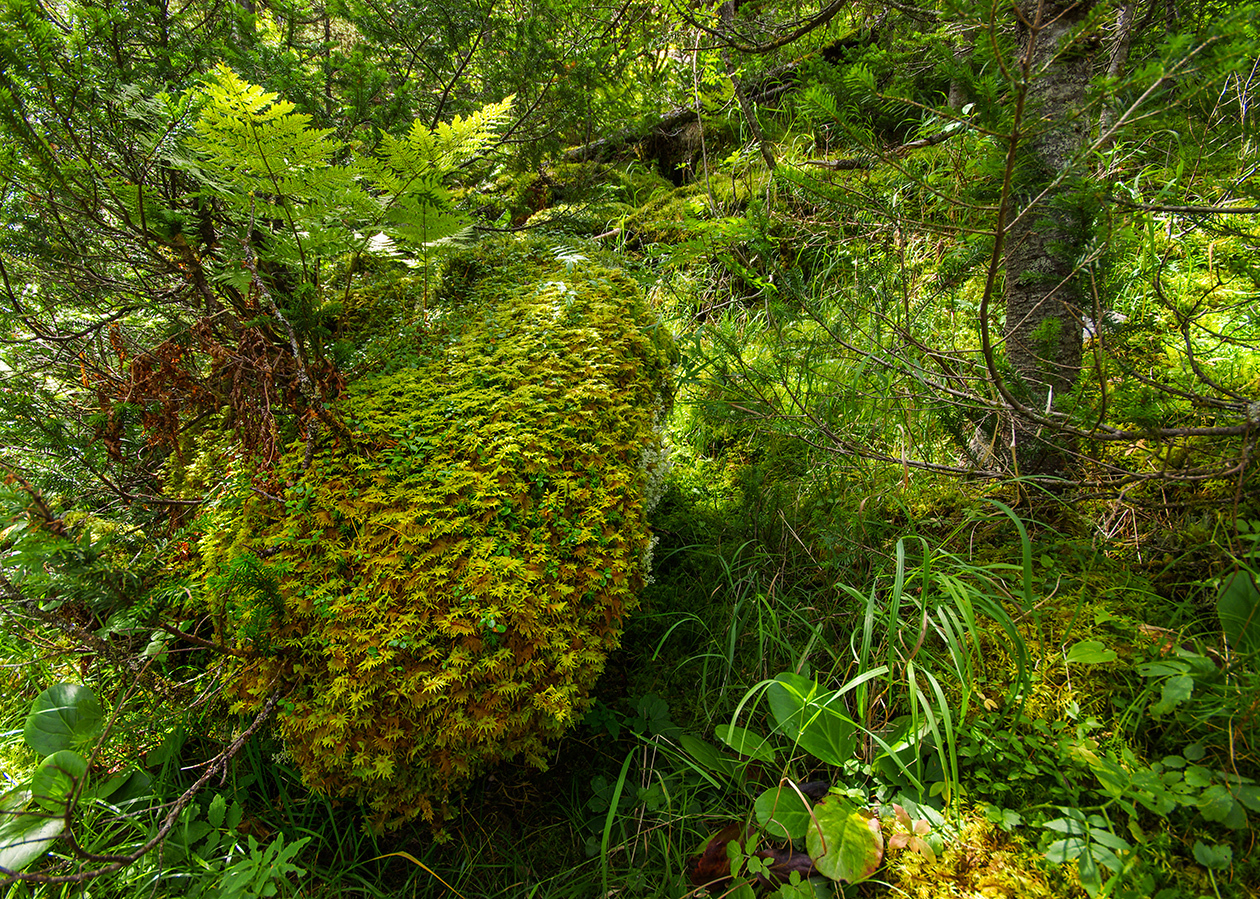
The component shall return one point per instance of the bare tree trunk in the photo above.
(1046, 240)
(963, 47)
(1118, 58)
(1121, 39)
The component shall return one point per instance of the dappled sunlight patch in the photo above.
(983, 862)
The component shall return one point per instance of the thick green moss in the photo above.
(449, 587)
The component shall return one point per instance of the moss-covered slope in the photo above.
(447, 589)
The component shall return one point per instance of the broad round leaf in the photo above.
(56, 778)
(1238, 607)
(782, 813)
(745, 742)
(853, 843)
(25, 838)
(62, 716)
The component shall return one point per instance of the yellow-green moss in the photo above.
(442, 595)
(984, 862)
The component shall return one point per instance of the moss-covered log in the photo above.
(443, 594)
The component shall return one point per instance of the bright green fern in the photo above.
(267, 163)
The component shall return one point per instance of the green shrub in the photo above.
(450, 584)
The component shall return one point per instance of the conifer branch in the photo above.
(88, 641)
(732, 41)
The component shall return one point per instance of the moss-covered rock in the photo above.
(441, 594)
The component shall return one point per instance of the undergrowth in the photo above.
(1055, 689)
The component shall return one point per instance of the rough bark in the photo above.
(1118, 58)
(1046, 240)
(963, 48)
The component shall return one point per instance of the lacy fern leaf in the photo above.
(408, 174)
(266, 161)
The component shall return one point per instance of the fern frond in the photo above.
(820, 105)
(407, 175)
(260, 157)
(258, 154)
(463, 139)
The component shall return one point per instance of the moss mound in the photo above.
(443, 594)
(982, 863)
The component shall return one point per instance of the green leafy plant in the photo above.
(65, 721)
(261, 872)
(842, 840)
(839, 839)
(1090, 841)
(1238, 607)
(267, 162)
(62, 716)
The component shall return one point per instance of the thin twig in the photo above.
(111, 862)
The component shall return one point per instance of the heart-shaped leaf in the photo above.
(787, 698)
(62, 716)
(782, 813)
(745, 742)
(845, 844)
(56, 778)
(813, 719)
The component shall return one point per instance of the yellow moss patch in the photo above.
(984, 862)
(443, 594)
